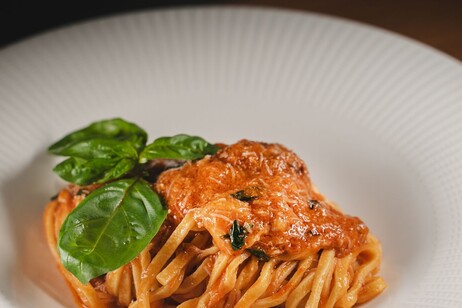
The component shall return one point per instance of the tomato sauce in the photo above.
(267, 189)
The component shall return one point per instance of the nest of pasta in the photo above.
(245, 228)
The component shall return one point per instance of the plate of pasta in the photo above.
(229, 157)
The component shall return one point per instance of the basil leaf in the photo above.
(236, 235)
(97, 161)
(118, 129)
(101, 148)
(242, 195)
(260, 254)
(109, 228)
(84, 172)
(178, 147)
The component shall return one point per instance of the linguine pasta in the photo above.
(332, 261)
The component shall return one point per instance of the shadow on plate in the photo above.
(33, 277)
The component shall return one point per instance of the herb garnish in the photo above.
(260, 254)
(236, 235)
(109, 228)
(115, 222)
(241, 196)
(178, 147)
(248, 194)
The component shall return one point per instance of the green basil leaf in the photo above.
(182, 146)
(84, 172)
(242, 195)
(101, 148)
(236, 235)
(97, 161)
(260, 254)
(111, 129)
(109, 228)
(122, 167)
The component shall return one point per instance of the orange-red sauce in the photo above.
(280, 215)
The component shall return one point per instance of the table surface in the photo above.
(437, 23)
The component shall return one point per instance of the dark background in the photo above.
(436, 23)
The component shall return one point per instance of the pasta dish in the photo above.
(244, 227)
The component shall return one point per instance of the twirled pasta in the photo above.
(183, 266)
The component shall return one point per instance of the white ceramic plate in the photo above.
(377, 118)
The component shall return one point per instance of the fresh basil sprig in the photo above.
(116, 221)
(98, 153)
